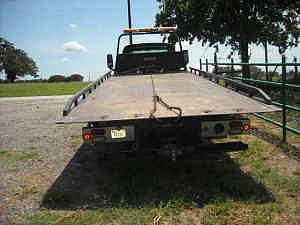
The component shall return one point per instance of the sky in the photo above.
(74, 36)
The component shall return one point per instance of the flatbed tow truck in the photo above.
(149, 101)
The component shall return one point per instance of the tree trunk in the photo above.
(245, 57)
(11, 77)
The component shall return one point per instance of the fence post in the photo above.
(216, 63)
(206, 65)
(296, 68)
(283, 99)
(232, 67)
(266, 61)
(200, 65)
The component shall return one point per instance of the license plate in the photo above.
(118, 133)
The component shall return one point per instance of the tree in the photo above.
(236, 23)
(75, 77)
(15, 62)
(56, 78)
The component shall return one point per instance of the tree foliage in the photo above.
(236, 23)
(15, 62)
(57, 78)
(75, 77)
(61, 78)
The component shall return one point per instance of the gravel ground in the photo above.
(33, 151)
(42, 160)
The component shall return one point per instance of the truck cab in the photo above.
(146, 58)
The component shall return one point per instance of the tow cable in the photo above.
(171, 148)
(158, 100)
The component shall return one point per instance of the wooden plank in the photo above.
(131, 97)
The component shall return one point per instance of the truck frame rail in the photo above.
(235, 85)
(83, 93)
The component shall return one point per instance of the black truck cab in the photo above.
(146, 58)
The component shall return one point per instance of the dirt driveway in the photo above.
(33, 150)
(45, 166)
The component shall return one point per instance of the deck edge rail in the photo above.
(235, 85)
(83, 93)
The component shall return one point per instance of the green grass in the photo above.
(40, 89)
(9, 155)
(205, 189)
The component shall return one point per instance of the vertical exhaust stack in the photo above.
(129, 20)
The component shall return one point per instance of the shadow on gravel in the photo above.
(192, 181)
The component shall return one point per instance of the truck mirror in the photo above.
(186, 56)
(110, 62)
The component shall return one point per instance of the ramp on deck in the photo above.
(131, 97)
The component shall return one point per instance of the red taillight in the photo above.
(87, 137)
(99, 131)
(246, 127)
(239, 126)
(235, 124)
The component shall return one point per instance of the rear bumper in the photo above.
(153, 133)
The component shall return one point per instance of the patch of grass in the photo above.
(108, 216)
(204, 189)
(10, 155)
(40, 89)
(255, 158)
(183, 185)
(76, 136)
(14, 170)
(237, 213)
(220, 208)
(26, 192)
(74, 144)
(297, 173)
(59, 197)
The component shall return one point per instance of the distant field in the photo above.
(40, 89)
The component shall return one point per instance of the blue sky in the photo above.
(74, 36)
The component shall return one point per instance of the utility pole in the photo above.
(129, 20)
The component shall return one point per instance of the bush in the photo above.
(56, 78)
(75, 77)
(61, 78)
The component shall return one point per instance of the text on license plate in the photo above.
(118, 133)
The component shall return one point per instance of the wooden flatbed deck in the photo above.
(131, 97)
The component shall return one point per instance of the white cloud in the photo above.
(74, 46)
(73, 26)
(66, 60)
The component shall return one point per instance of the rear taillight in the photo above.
(235, 124)
(87, 134)
(239, 126)
(246, 127)
(87, 137)
(99, 131)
